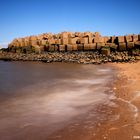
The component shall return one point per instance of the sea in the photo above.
(38, 100)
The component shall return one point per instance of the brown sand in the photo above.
(126, 126)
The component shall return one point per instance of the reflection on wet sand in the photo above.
(38, 100)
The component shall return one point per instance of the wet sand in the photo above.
(39, 101)
(103, 106)
(122, 117)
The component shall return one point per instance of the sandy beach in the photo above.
(126, 126)
(126, 88)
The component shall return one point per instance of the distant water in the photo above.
(37, 99)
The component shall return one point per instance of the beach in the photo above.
(60, 101)
(125, 125)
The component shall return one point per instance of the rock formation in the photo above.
(69, 41)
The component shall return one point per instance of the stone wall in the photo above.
(69, 41)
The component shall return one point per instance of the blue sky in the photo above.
(19, 18)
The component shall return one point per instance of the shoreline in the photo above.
(123, 118)
(126, 109)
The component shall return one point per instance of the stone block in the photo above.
(70, 40)
(139, 37)
(97, 34)
(113, 39)
(80, 47)
(111, 45)
(69, 47)
(64, 41)
(32, 43)
(86, 40)
(51, 41)
(56, 48)
(100, 45)
(107, 39)
(43, 42)
(105, 51)
(98, 40)
(88, 35)
(37, 49)
(88, 47)
(74, 47)
(33, 38)
(51, 48)
(134, 38)
(130, 45)
(74, 40)
(137, 44)
(121, 39)
(62, 48)
(128, 38)
(122, 46)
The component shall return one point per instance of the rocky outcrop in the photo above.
(69, 41)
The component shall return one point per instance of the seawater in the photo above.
(38, 99)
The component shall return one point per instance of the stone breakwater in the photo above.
(88, 57)
(74, 41)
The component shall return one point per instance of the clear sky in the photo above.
(20, 18)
